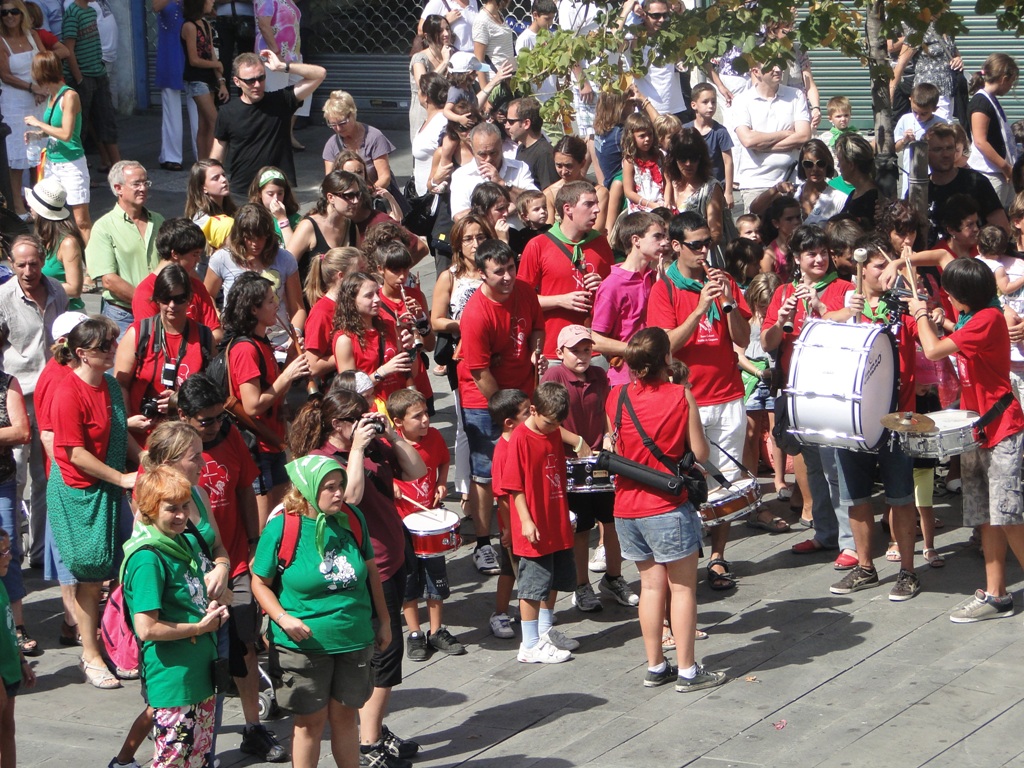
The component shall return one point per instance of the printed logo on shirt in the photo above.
(214, 480)
(518, 336)
(707, 332)
(195, 590)
(965, 376)
(338, 571)
(274, 277)
(553, 468)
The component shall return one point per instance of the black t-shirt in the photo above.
(540, 159)
(863, 208)
(980, 103)
(966, 182)
(257, 135)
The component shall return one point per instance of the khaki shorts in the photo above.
(310, 680)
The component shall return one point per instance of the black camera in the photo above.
(378, 427)
(150, 409)
(423, 325)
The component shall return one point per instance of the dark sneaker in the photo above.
(416, 647)
(378, 757)
(856, 579)
(907, 586)
(397, 747)
(703, 679)
(982, 606)
(257, 740)
(654, 679)
(445, 642)
(617, 587)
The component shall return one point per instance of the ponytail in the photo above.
(325, 269)
(308, 430)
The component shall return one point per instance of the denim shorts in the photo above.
(197, 88)
(483, 436)
(272, 472)
(539, 575)
(663, 538)
(857, 474)
(428, 580)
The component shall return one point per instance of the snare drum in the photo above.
(953, 435)
(434, 533)
(727, 504)
(842, 381)
(584, 476)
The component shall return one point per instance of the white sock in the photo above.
(660, 668)
(690, 673)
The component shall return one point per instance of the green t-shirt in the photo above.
(80, 25)
(177, 672)
(10, 656)
(330, 594)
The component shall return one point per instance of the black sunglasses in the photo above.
(698, 245)
(808, 164)
(179, 299)
(657, 16)
(513, 120)
(251, 81)
(10, 12)
(353, 195)
(105, 347)
(203, 423)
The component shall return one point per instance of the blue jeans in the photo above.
(825, 508)
(483, 436)
(10, 521)
(121, 316)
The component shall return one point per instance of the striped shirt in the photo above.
(80, 26)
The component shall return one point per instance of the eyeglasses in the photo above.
(204, 423)
(513, 120)
(339, 124)
(10, 12)
(5, 552)
(657, 16)
(179, 299)
(251, 81)
(352, 196)
(808, 164)
(139, 184)
(698, 245)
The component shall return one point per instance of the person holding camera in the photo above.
(659, 531)
(158, 353)
(341, 426)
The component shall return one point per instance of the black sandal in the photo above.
(69, 635)
(715, 579)
(28, 646)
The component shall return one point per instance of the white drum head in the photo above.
(435, 521)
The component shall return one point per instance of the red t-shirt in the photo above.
(81, 419)
(243, 360)
(551, 272)
(652, 402)
(229, 466)
(709, 353)
(200, 308)
(833, 297)
(498, 474)
(149, 362)
(434, 452)
(492, 330)
(586, 403)
(319, 328)
(368, 357)
(983, 362)
(387, 534)
(49, 383)
(535, 466)
(390, 311)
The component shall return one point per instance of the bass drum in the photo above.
(843, 379)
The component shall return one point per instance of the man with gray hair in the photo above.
(122, 249)
(488, 165)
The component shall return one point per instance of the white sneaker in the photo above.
(598, 561)
(486, 560)
(560, 640)
(501, 626)
(542, 653)
(585, 599)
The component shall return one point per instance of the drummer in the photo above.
(815, 291)
(857, 468)
(992, 485)
(583, 433)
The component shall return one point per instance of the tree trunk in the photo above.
(885, 155)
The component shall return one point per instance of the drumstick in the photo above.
(311, 385)
(538, 351)
(860, 256)
(911, 274)
(426, 510)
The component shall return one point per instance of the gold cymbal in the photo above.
(907, 421)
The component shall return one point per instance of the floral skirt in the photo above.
(184, 735)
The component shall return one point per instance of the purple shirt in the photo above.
(620, 310)
(586, 403)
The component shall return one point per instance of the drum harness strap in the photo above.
(993, 413)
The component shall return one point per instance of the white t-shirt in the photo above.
(908, 122)
(466, 178)
(759, 170)
(426, 141)
(498, 39)
(462, 29)
(578, 15)
(549, 87)
(1014, 270)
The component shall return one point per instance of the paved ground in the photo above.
(816, 679)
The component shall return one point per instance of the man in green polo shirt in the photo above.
(122, 248)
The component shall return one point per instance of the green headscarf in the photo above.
(684, 283)
(152, 537)
(308, 473)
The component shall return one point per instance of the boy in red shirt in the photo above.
(991, 475)
(542, 536)
(429, 579)
(508, 408)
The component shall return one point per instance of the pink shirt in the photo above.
(620, 310)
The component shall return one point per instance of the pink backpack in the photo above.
(118, 638)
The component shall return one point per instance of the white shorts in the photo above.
(725, 424)
(73, 176)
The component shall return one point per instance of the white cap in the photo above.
(66, 323)
(462, 61)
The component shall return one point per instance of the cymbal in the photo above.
(907, 421)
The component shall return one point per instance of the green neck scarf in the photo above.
(878, 315)
(822, 284)
(308, 474)
(149, 536)
(683, 283)
(967, 316)
(577, 246)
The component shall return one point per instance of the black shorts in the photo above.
(428, 580)
(387, 664)
(538, 576)
(592, 508)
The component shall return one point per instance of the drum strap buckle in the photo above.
(992, 414)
